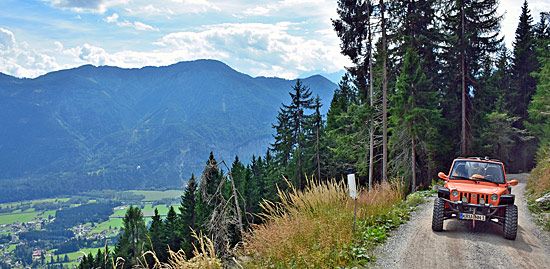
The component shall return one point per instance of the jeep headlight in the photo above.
(454, 193)
(494, 197)
(481, 201)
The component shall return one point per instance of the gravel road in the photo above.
(415, 245)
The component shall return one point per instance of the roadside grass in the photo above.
(538, 185)
(314, 227)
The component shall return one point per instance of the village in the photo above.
(10, 240)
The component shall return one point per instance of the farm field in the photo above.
(158, 195)
(24, 216)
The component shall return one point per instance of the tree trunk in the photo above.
(299, 151)
(318, 157)
(463, 144)
(413, 158)
(384, 97)
(371, 97)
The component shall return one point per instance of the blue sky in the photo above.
(284, 38)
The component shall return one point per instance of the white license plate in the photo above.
(471, 216)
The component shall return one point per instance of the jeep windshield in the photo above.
(478, 170)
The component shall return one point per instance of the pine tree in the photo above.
(206, 201)
(384, 54)
(100, 259)
(471, 29)
(172, 229)
(539, 108)
(524, 63)
(156, 233)
(523, 86)
(414, 112)
(188, 217)
(133, 235)
(314, 129)
(289, 140)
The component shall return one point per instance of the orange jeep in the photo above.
(476, 189)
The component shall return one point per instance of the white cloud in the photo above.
(17, 60)
(7, 40)
(136, 25)
(94, 6)
(144, 27)
(112, 18)
(270, 50)
(512, 10)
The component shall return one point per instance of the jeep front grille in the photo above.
(473, 198)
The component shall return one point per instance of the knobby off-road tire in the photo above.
(510, 225)
(438, 215)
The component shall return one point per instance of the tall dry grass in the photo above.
(313, 227)
(204, 256)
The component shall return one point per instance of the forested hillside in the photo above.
(113, 128)
(431, 80)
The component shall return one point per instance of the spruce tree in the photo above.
(132, 238)
(289, 140)
(471, 29)
(414, 112)
(540, 106)
(524, 63)
(206, 201)
(188, 217)
(172, 230)
(156, 233)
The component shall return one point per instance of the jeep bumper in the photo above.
(458, 209)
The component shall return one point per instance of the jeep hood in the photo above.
(471, 186)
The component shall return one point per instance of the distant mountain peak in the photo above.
(65, 126)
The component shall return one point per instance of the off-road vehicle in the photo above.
(476, 189)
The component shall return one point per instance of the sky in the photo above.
(282, 38)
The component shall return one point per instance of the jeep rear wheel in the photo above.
(438, 215)
(510, 225)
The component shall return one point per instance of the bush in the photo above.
(539, 180)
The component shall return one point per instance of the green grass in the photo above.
(151, 196)
(33, 202)
(21, 217)
(46, 214)
(105, 225)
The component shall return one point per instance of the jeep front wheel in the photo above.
(438, 215)
(510, 225)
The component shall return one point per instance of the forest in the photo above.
(431, 80)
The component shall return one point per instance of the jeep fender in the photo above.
(507, 199)
(443, 192)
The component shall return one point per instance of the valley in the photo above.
(30, 236)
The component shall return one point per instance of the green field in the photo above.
(29, 214)
(33, 202)
(151, 196)
(21, 217)
(112, 222)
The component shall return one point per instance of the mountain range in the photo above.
(106, 127)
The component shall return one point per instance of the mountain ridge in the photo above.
(119, 128)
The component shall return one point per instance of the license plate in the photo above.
(471, 216)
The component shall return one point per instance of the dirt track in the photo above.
(415, 245)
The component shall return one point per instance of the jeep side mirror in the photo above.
(513, 182)
(443, 176)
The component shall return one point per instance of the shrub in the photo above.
(539, 180)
